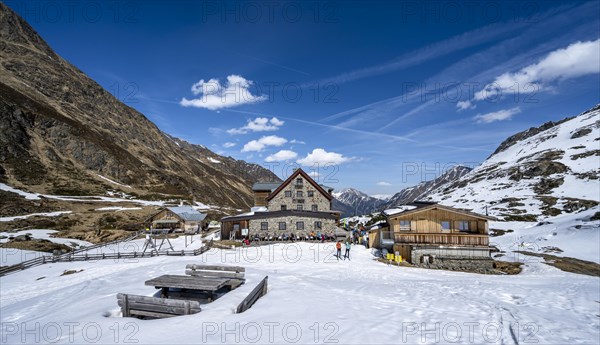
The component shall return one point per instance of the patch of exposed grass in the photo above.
(568, 264)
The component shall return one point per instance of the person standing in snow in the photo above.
(347, 253)
(338, 246)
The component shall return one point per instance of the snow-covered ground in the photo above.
(113, 182)
(312, 298)
(43, 214)
(118, 208)
(12, 256)
(575, 234)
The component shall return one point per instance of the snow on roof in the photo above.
(187, 213)
(399, 209)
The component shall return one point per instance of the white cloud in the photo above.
(213, 95)
(229, 145)
(259, 124)
(300, 142)
(283, 155)
(383, 183)
(314, 174)
(322, 157)
(260, 144)
(576, 60)
(501, 115)
(464, 105)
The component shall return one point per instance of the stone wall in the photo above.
(328, 225)
(454, 259)
(323, 204)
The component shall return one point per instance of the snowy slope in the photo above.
(312, 298)
(551, 172)
(575, 235)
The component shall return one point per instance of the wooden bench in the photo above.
(154, 307)
(259, 291)
(235, 274)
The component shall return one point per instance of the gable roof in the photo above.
(306, 177)
(187, 213)
(420, 206)
(265, 186)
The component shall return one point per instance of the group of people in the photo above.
(360, 237)
(338, 247)
(301, 236)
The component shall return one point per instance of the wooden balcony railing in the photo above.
(443, 239)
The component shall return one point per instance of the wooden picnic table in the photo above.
(201, 284)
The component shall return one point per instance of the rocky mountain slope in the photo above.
(423, 189)
(62, 133)
(353, 202)
(540, 172)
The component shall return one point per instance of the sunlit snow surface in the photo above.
(312, 298)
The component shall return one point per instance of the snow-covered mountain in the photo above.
(354, 202)
(423, 189)
(540, 172)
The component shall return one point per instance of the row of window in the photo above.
(283, 225)
(463, 225)
(300, 207)
(299, 194)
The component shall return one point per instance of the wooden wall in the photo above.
(429, 221)
(260, 198)
(228, 226)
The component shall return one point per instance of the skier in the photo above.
(347, 253)
(338, 246)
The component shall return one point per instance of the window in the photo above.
(281, 225)
(445, 225)
(315, 208)
(264, 226)
(299, 194)
(299, 180)
(463, 225)
(405, 225)
(299, 225)
(318, 225)
(288, 193)
(310, 193)
(283, 207)
(299, 207)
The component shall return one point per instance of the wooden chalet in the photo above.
(184, 218)
(430, 230)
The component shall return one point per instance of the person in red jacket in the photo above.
(338, 246)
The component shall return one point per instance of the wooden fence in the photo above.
(77, 256)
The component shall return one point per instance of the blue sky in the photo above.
(376, 95)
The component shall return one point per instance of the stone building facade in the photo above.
(298, 205)
(293, 224)
(299, 195)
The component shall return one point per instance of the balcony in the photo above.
(298, 201)
(443, 239)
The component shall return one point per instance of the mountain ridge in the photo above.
(60, 129)
(540, 172)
